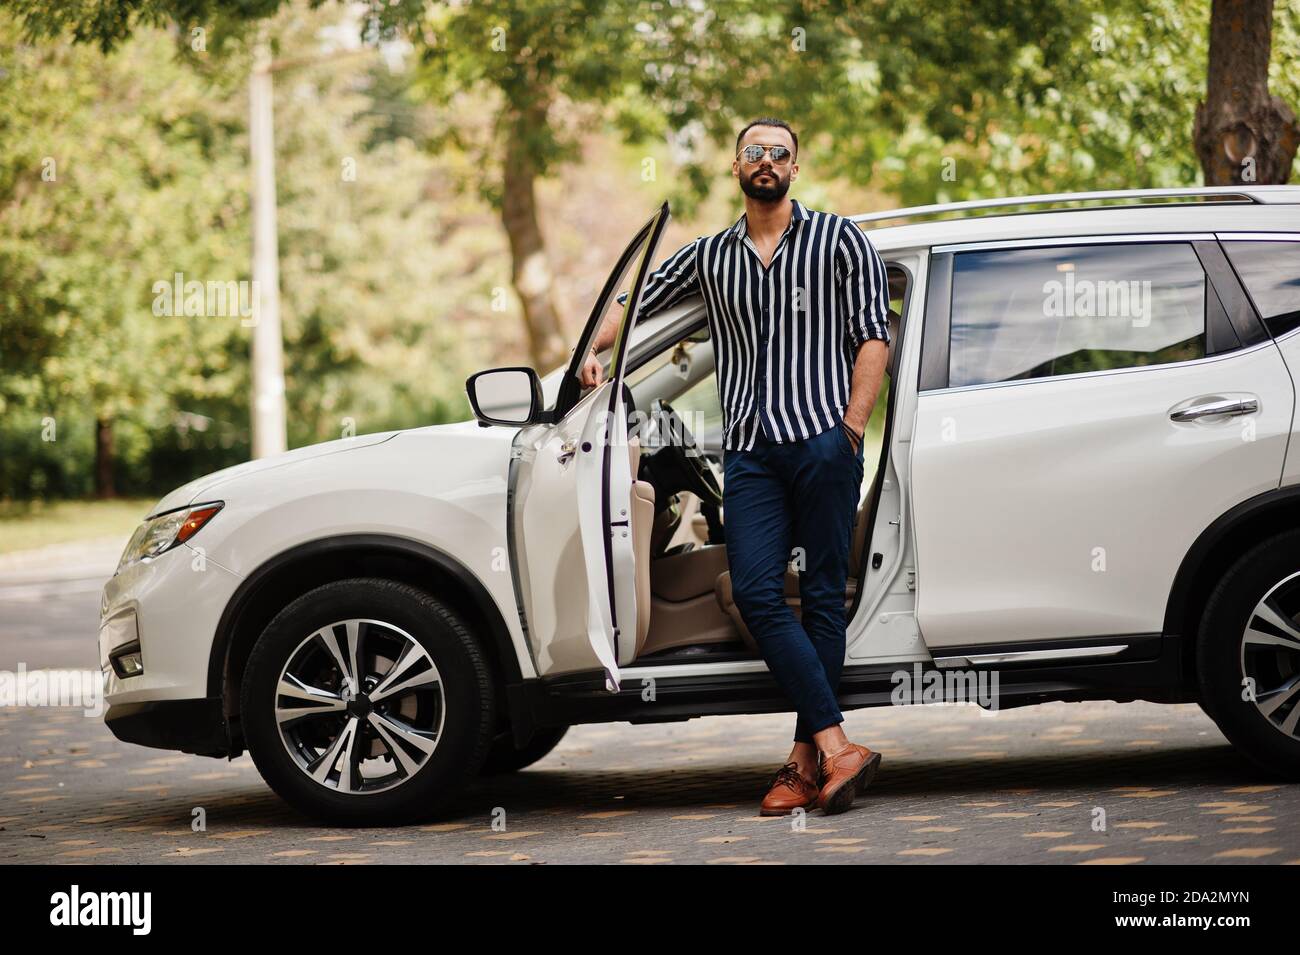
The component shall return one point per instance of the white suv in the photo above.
(1085, 486)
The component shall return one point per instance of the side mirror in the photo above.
(507, 396)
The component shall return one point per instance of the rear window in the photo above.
(1022, 314)
(1271, 273)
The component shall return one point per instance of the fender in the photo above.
(1227, 538)
(471, 594)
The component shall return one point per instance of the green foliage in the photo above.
(109, 23)
(923, 99)
(377, 307)
(144, 154)
(931, 101)
(25, 525)
(114, 173)
(389, 276)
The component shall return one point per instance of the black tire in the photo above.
(464, 700)
(505, 757)
(1219, 669)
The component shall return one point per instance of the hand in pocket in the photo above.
(855, 439)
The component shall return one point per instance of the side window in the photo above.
(874, 437)
(1271, 273)
(1020, 314)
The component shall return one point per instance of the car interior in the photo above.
(685, 608)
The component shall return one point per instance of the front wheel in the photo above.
(367, 702)
(1248, 655)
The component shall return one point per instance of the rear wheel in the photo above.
(1248, 655)
(367, 702)
(505, 757)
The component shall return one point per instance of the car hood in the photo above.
(204, 486)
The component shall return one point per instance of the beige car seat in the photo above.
(643, 515)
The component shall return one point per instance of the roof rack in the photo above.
(1218, 193)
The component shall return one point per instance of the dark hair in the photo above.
(769, 121)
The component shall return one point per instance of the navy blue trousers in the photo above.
(794, 501)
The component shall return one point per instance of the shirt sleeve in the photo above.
(677, 278)
(864, 288)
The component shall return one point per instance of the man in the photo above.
(797, 305)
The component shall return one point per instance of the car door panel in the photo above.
(1057, 508)
(571, 505)
(1030, 530)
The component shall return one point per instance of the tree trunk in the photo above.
(104, 459)
(530, 269)
(1244, 135)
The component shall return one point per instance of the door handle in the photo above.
(567, 451)
(1217, 406)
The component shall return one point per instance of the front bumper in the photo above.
(191, 726)
(169, 607)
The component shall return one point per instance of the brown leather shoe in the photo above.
(844, 776)
(790, 791)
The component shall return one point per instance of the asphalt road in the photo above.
(1095, 783)
(49, 604)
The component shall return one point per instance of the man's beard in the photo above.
(768, 191)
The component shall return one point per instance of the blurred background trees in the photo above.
(453, 179)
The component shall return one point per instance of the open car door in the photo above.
(571, 500)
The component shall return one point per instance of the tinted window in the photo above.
(1035, 313)
(1271, 273)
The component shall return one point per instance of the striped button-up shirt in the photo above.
(784, 337)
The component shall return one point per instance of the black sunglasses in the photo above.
(754, 153)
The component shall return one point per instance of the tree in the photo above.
(120, 170)
(115, 174)
(920, 99)
(932, 102)
(1244, 133)
(867, 76)
(887, 94)
(383, 270)
(536, 64)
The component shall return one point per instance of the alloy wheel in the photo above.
(360, 706)
(1270, 656)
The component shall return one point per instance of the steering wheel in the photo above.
(675, 463)
(675, 459)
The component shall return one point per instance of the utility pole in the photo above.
(268, 414)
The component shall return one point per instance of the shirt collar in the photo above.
(797, 214)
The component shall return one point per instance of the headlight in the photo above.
(160, 534)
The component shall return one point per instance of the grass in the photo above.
(29, 524)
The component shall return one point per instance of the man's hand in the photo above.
(868, 372)
(593, 371)
(854, 432)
